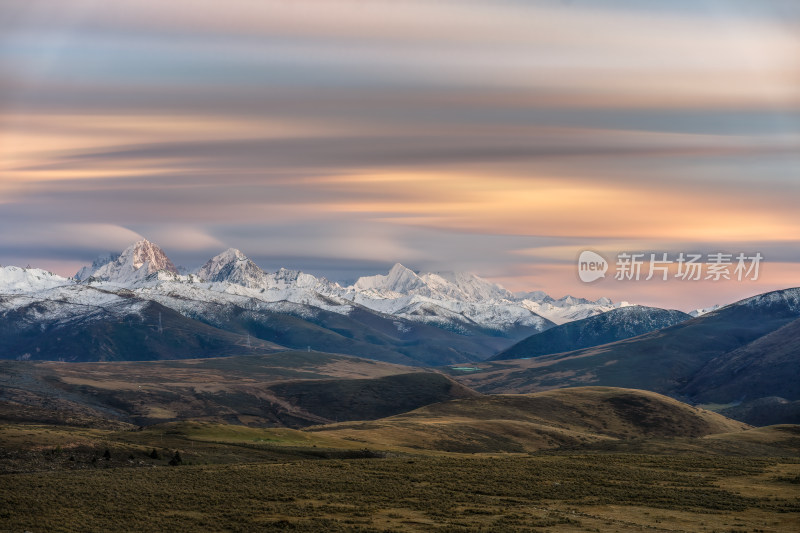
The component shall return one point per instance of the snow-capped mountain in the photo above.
(101, 261)
(705, 310)
(138, 261)
(567, 309)
(481, 314)
(16, 280)
(456, 296)
(234, 267)
(786, 301)
(399, 280)
(285, 279)
(455, 300)
(459, 286)
(448, 299)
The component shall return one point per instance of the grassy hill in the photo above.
(367, 399)
(785, 437)
(523, 423)
(583, 459)
(286, 389)
(244, 479)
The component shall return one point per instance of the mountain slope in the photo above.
(611, 326)
(663, 361)
(756, 370)
(127, 330)
(765, 411)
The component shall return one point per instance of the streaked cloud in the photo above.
(490, 136)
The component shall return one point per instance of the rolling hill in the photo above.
(530, 422)
(368, 399)
(285, 389)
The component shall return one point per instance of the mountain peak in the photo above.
(144, 251)
(399, 272)
(234, 267)
(136, 262)
(465, 286)
(399, 268)
(232, 254)
(400, 279)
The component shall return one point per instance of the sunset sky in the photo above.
(500, 137)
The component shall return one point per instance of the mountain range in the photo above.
(122, 306)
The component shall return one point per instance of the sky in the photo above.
(500, 137)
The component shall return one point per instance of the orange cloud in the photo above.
(563, 207)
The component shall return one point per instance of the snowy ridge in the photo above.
(468, 298)
(451, 300)
(67, 305)
(101, 261)
(436, 285)
(788, 298)
(16, 280)
(568, 309)
(704, 311)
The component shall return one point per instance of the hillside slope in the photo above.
(611, 326)
(756, 370)
(127, 330)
